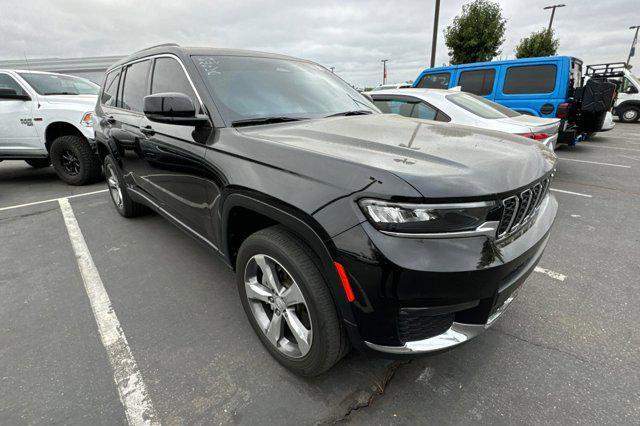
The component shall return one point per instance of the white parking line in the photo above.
(611, 147)
(131, 388)
(51, 200)
(570, 192)
(555, 275)
(595, 162)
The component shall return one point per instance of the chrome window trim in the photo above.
(147, 58)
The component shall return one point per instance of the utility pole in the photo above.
(632, 51)
(434, 40)
(332, 68)
(384, 71)
(553, 12)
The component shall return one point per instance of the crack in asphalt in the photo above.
(541, 345)
(21, 216)
(361, 398)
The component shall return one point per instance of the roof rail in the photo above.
(160, 45)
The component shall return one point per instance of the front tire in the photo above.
(288, 302)
(123, 203)
(629, 114)
(74, 161)
(38, 163)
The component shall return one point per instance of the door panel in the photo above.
(17, 130)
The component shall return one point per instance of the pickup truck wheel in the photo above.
(38, 163)
(288, 302)
(629, 114)
(119, 195)
(74, 161)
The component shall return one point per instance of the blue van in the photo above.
(545, 87)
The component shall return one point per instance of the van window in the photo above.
(530, 79)
(168, 76)
(110, 89)
(435, 81)
(135, 86)
(478, 82)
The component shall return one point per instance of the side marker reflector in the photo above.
(345, 282)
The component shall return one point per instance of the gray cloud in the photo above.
(350, 36)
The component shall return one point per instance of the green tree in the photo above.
(539, 43)
(477, 34)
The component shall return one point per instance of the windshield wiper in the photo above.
(264, 120)
(61, 93)
(346, 113)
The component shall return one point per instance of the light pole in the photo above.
(632, 51)
(435, 34)
(384, 71)
(553, 12)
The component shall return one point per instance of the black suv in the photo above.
(344, 226)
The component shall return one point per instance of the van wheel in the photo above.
(629, 114)
(74, 161)
(288, 302)
(119, 195)
(38, 163)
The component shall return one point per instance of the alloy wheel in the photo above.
(70, 162)
(114, 186)
(278, 306)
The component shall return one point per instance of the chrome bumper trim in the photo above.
(457, 334)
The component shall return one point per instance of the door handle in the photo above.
(147, 131)
(110, 119)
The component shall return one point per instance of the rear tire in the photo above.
(123, 203)
(629, 114)
(74, 161)
(38, 163)
(326, 339)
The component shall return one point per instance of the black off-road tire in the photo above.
(329, 343)
(128, 207)
(632, 113)
(88, 170)
(38, 163)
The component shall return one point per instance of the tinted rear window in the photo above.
(478, 82)
(435, 81)
(530, 79)
(110, 89)
(480, 106)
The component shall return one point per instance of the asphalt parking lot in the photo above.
(566, 352)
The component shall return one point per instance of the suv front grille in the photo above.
(518, 209)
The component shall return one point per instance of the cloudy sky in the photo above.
(351, 36)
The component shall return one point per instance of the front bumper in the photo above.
(460, 285)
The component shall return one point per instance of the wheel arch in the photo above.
(60, 128)
(269, 212)
(628, 103)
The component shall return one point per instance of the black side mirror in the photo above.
(7, 93)
(173, 108)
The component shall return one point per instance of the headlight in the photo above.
(87, 119)
(401, 218)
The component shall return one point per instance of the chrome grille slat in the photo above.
(517, 210)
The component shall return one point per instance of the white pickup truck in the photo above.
(46, 119)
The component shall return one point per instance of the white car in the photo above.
(46, 118)
(466, 108)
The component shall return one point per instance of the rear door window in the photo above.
(435, 81)
(411, 108)
(135, 86)
(530, 79)
(478, 82)
(8, 82)
(110, 89)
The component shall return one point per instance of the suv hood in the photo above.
(440, 160)
(87, 102)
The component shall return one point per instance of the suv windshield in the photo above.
(481, 106)
(251, 88)
(55, 84)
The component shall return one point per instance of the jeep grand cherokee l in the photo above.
(345, 227)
